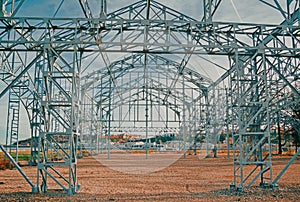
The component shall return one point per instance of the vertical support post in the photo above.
(238, 140)
(184, 127)
(147, 107)
(267, 159)
(109, 115)
(148, 9)
(97, 124)
(279, 134)
(36, 122)
(1, 8)
(101, 116)
(207, 5)
(207, 120)
(103, 9)
(227, 123)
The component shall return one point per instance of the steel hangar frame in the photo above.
(44, 63)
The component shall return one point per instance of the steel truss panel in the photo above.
(161, 36)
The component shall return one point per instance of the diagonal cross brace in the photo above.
(17, 78)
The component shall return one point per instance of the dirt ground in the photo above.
(190, 179)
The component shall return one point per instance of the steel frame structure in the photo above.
(48, 59)
(141, 94)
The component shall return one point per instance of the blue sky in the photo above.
(230, 10)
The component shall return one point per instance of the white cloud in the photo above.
(249, 11)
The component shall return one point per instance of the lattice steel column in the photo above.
(216, 112)
(210, 7)
(37, 121)
(252, 145)
(89, 137)
(58, 141)
(103, 9)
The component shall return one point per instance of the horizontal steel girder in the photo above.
(148, 36)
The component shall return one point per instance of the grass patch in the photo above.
(23, 156)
